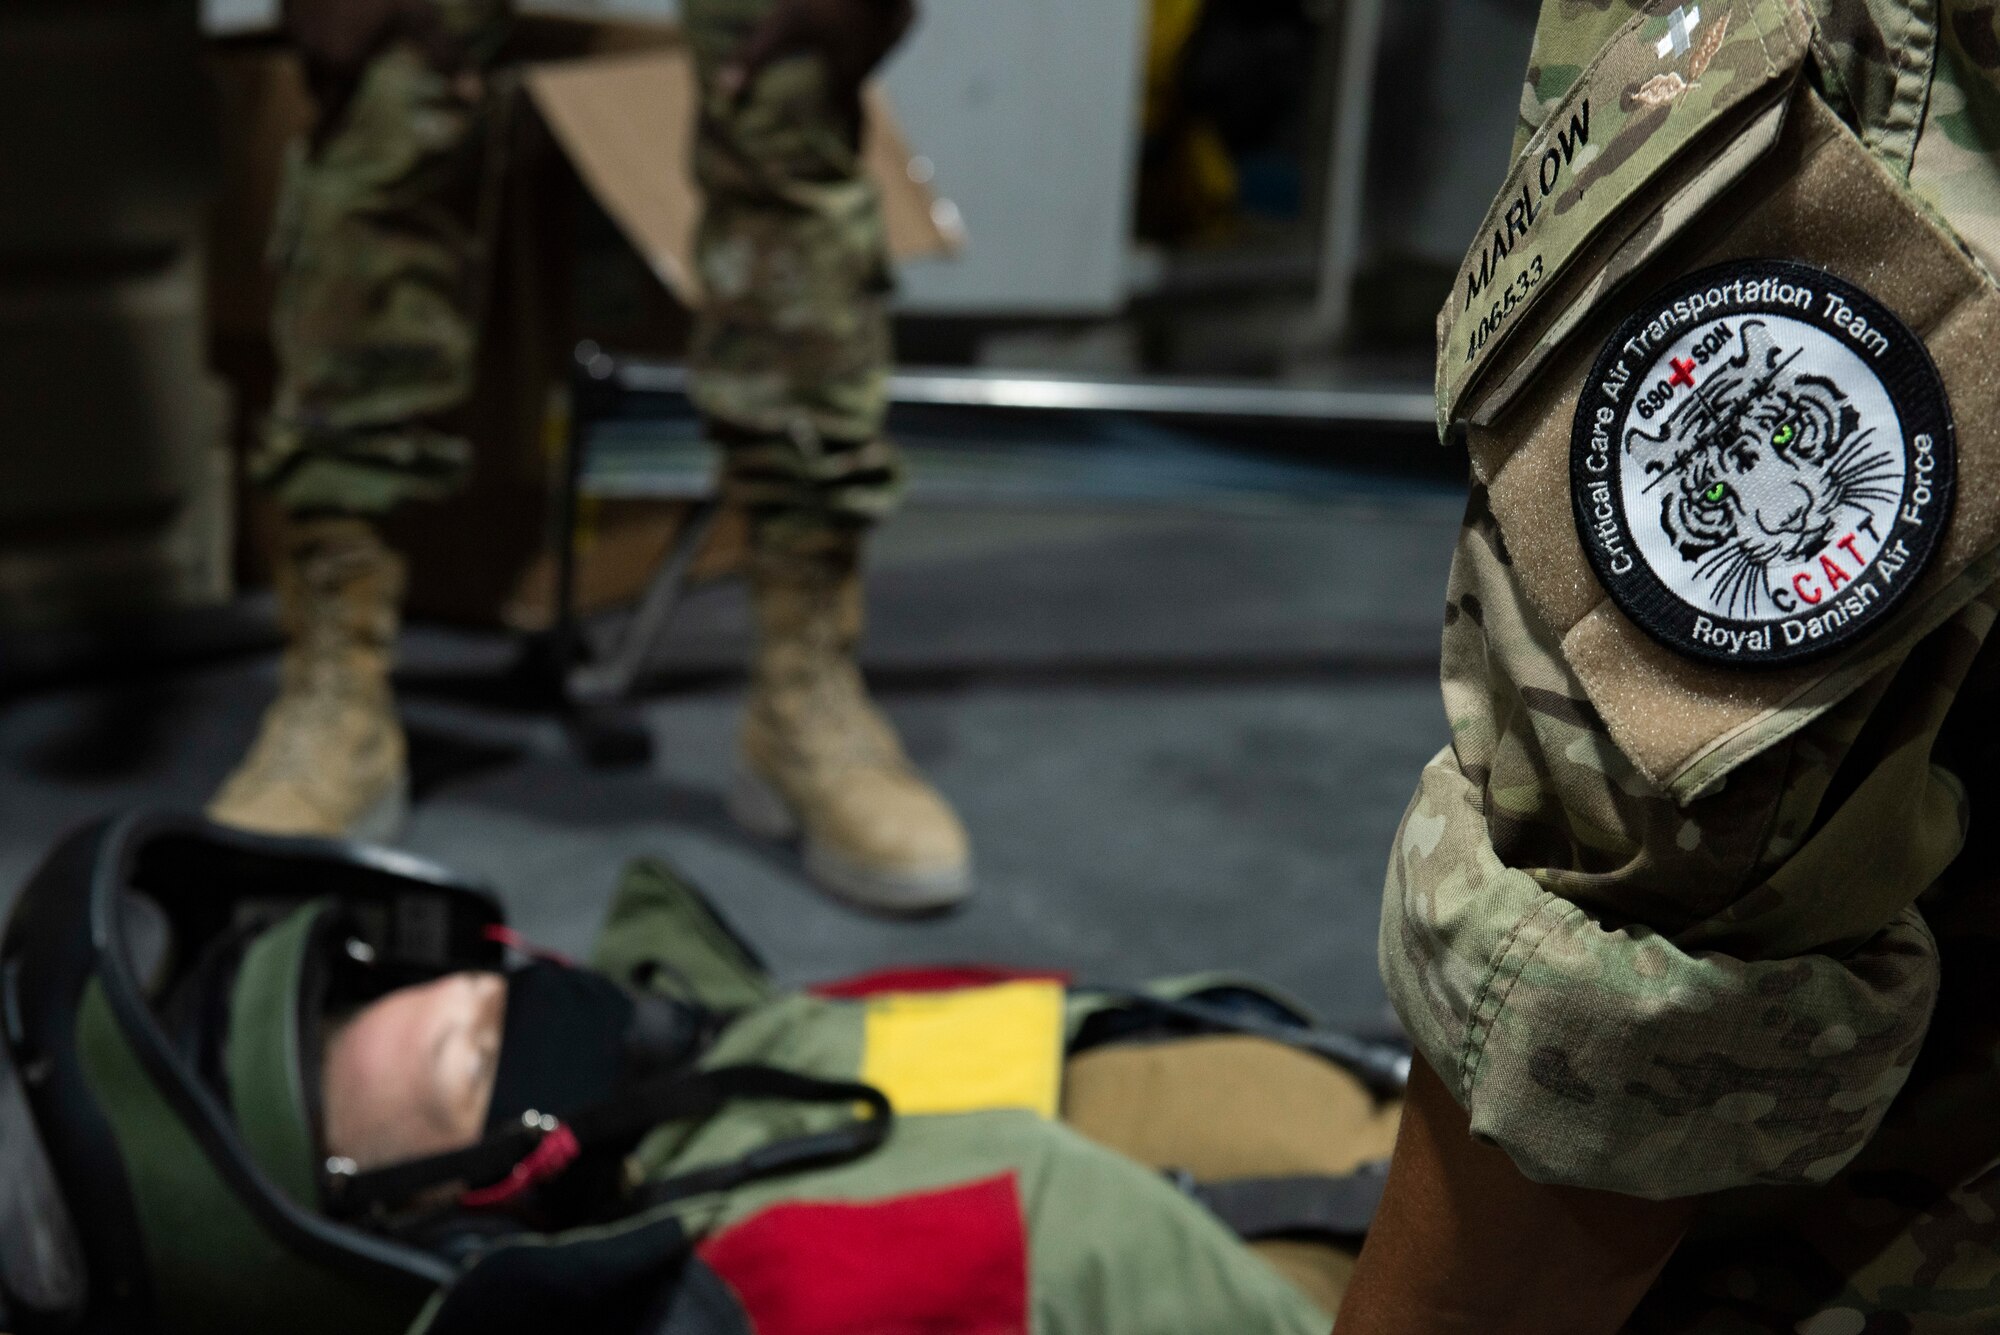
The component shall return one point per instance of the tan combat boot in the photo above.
(330, 758)
(819, 761)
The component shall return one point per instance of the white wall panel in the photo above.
(1029, 109)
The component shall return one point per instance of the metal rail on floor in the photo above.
(1391, 404)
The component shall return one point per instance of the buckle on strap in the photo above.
(549, 1159)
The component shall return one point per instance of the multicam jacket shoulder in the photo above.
(1674, 991)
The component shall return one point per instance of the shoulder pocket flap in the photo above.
(1687, 718)
(1674, 109)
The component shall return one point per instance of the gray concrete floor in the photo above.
(1181, 741)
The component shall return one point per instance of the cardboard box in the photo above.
(597, 120)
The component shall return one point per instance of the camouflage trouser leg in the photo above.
(374, 325)
(791, 352)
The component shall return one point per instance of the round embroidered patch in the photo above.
(1762, 463)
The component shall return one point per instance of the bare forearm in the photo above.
(1465, 1243)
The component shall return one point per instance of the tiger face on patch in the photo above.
(1760, 469)
(1761, 463)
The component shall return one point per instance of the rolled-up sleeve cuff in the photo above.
(1601, 1055)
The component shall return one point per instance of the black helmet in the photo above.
(162, 984)
(188, 1166)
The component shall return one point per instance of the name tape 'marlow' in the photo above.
(1660, 87)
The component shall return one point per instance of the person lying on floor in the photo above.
(1014, 1191)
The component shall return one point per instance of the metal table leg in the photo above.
(597, 696)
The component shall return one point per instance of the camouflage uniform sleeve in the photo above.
(1626, 993)
(1669, 992)
(1569, 34)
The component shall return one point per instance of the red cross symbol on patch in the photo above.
(1683, 372)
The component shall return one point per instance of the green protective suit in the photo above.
(1114, 1249)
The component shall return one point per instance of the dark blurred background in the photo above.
(1161, 616)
